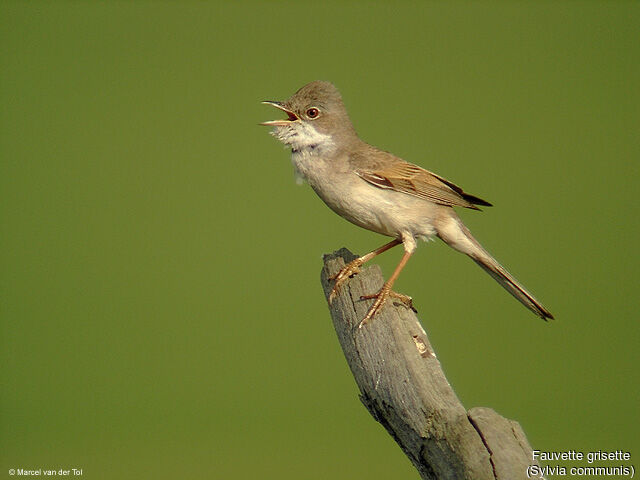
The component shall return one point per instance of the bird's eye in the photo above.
(313, 112)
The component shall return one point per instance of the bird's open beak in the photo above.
(280, 123)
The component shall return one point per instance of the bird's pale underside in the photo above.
(378, 191)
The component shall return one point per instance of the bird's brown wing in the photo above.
(408, 178)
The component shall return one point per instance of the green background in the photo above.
(161, 312)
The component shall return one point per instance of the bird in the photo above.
(379, 191)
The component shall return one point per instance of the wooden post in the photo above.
(402, 385)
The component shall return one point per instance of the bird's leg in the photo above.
(353, 268)
(385, 292)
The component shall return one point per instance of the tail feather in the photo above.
(453, 232)
(511, 285)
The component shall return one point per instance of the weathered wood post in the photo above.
(402, 385)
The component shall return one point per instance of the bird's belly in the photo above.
(383, 211)
(380, 210)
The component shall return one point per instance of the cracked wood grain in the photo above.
(403, 387)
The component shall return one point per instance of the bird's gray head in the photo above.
(317, 118)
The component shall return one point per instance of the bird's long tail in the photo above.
(454, 233)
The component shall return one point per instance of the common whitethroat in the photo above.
(378, 191)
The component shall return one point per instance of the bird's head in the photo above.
(316, 118)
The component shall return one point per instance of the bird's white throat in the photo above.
(306, 143)
(303, 137)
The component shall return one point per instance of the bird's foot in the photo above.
(381, 297)
(348, 271)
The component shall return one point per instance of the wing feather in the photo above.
(413, 180)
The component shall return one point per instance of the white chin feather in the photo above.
(302, 136)
(298, 176)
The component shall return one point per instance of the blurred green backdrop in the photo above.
(161, 312)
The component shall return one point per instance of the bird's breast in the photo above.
(382, 211)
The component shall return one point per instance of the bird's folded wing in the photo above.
(408, 178)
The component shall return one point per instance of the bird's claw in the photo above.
(348, 271)
(406, 300)
(380, 298)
